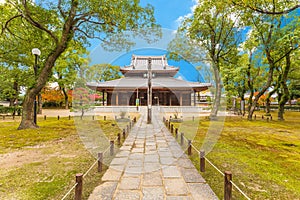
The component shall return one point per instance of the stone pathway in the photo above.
(151, 166)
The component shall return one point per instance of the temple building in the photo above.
(131, 90)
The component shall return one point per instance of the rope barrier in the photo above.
(196, 149)
(214, 166)
(185, 139)
(223, 175)
(240, 190)
(91, 167)
(69, 191)
(219, 170)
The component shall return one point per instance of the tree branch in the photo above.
(89, 36)
(7, 22)
(61, 10)
(259, 10)
(27, 16)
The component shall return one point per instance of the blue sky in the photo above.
(168, 14)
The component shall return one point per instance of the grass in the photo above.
(264, 157)
(41, 164)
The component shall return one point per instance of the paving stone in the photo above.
(135, 163)
(151, 167)
(151, 158)
(191, 176)
(175, 186)
(112, 175)
(150, 143)
(150, 150)
(201, 191)
(159, 145)
(139, 146)
(140, 142)
(126, 148)
(171, 172)
(185, 163)
(153, 193)
(119, 161)
(167, 160)
(180, 198)
(133, 170)
(105, 191)
(130, 183)
(128, 195)
(136, 156)
(123, 153)
(117, 167)
(152, 179)
(137, 150)
(165, 154)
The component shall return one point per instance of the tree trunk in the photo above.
(61, 43)
(268, 101)
(66, 98)
(217, 96)
(243, 110)
(250, 86)
(27, 115)
(284, 88)
(281, 112)
(263, 90)
(14, 100)
(40, 104)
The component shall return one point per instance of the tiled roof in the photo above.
(141, 63)
(137, 82)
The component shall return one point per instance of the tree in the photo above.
(213, 29)
(269, 7)
(270, 34)
(61, 21)
(102, 72)
(12, 80)
(294, 77)
(52, 96)
(67, 67)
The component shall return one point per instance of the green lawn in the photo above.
(41, 164)
(264, 157)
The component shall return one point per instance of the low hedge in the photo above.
(11, 110)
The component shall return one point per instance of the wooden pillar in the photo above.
(117, 98)
(170, 99)
(180, 98)
(102, 97)
(194, 98)
(108, 98)
(127, 99)
(227, 185)
(78, 188)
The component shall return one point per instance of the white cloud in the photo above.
(180, 19)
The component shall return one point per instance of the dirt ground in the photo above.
(55, 112)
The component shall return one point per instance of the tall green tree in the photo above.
(102, 72)
(13, 79)
(67, 68)
(60, 22)
(269, 7)
(294, 77)
(275, 37)
(213, 29)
